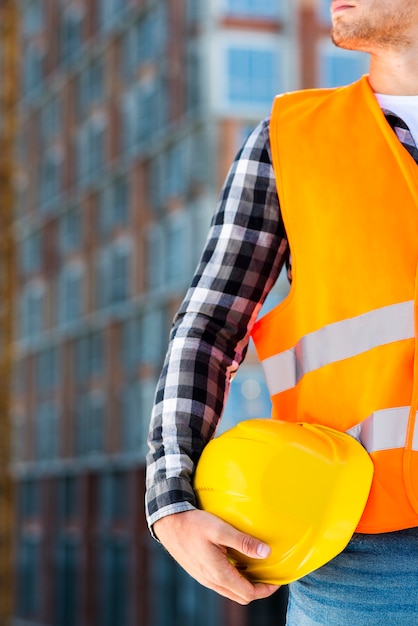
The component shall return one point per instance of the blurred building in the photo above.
(130, 113)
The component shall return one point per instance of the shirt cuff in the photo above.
(173, 495)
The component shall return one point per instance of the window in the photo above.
(154, 333)
(91, 149)
(71, 33)
(151, 34)
(107, 8)
(114, 205)
(129, 121)
(88, 356)
(90, 424)
(130, 342)
(254, 8)
(47, 369)
(114, 273)
(142, 114)
(144, 111)
(30, 253)
(158, 118)
(33, 17)
(114, 497)
(128, 61)
(115, 582)
(67, 576)
(102, 283)
(97, 144)
(198, 165)
(32, 309)
(82, 152)
(120, 277)
(32, 68)
(340, 67)
(68, 497)
(132, 432)
(29, 500)
(177, 250)
(145, 41)
(50, 177)
(157, 186)
(28, 578)
(81, 364)
(252, 75)
(46, 432)
(253, 71)
(194, 75)
(147, 395)
(51, 119)
(109, 12)
(70, 293)
(70, 235)
(96, 353)
(156, 256)
(194, 10)
(147, 107)
(121, 196)
(176, 170)
(91, 85)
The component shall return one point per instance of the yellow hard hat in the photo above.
(300, 488)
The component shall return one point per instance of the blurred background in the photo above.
(118, 122)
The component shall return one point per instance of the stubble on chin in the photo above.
(367, 35)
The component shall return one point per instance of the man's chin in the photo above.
(345, 41)
(342, 42)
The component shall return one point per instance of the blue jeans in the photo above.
(374, 582)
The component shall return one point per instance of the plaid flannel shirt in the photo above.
(244, 254)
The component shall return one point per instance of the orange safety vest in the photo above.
(341, 350)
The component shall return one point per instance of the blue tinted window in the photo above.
(252, 76)
(114, 581)
(257, 8)
(341, 67)
(67, 581)
(70, 231)
(33, 17)
(28, 580)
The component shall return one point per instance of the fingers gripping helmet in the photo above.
(300, 488)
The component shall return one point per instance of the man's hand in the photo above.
(198, 541)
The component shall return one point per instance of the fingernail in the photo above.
(263, 550)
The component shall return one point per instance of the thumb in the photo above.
(250, 546)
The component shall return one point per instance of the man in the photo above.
(330, 187)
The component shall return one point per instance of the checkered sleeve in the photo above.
(243, 256)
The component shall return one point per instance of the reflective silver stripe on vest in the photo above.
(384, 430)
(339, 341)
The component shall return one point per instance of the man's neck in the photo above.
(394, 74)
